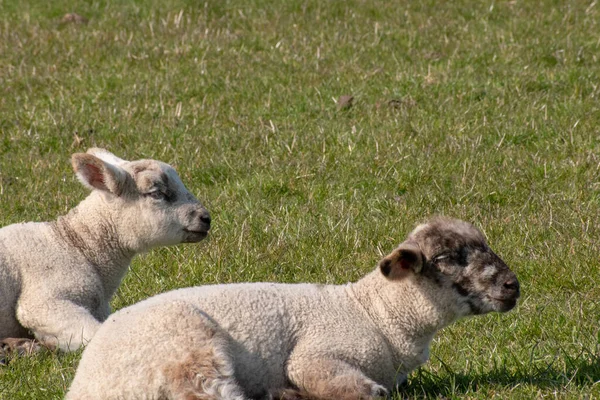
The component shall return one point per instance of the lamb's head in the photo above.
(454, 256)
(146, 197)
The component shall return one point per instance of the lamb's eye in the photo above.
(155, 194)
(440, 257)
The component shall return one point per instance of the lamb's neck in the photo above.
(407, 312)
(90, 229)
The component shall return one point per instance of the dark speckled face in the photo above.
(457, 256)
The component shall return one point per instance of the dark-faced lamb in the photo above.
(57, 278)
(299, 341)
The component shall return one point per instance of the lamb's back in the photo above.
(261, 322)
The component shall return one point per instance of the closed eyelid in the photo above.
(158, 185)
(169, 194)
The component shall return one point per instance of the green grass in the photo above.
(496, 121)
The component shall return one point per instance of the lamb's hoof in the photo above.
(379, 392)
(18, 345)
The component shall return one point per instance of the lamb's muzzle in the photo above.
(198, 229)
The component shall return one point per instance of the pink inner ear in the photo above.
(94, 176)
(404, 264)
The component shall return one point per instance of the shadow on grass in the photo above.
(578, 372)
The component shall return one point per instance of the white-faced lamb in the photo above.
(57, 278)
(299, 341)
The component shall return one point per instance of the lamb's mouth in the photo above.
(504, 304)
(192, 236)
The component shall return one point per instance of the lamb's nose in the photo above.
(512, 286)
(205, 217)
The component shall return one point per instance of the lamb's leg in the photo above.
(180, 353)
(207, 371)
(18, 346)
(58, 323)
(22, 346)
(207, 374)
(328, 379)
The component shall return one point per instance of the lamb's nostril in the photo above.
(205, 217)
(512, 285)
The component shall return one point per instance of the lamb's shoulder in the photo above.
(409, 353)
(47, 267)
(34, 247)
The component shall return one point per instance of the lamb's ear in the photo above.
(95, 173)
(399, 264)
(105, 156)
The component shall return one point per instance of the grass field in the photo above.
(485, 111)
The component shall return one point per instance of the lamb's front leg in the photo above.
(22, 346)
(329, 379)
(58, 323)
